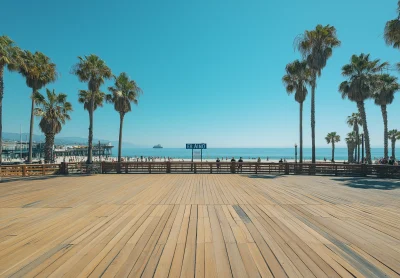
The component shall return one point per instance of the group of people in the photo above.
(233, 160)
(390, 161)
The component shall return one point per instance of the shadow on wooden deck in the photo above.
(261, 176)
(369, 183)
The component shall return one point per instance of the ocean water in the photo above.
(246, 153)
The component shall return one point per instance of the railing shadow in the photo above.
(9, 179)
(263, 176)
(369, 183)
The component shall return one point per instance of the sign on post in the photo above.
(196, 146)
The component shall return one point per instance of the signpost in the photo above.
(196, 146)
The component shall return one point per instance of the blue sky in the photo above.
(210, 70)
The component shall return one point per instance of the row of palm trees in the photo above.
(39, 71)
(364, 80)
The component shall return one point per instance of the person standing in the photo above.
(240, 165)
(218, 161)
(233, 161)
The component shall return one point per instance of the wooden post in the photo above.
(335, 170)
(24, 170)
(168, 167)
(149, 168)
(195, 168)
(286, 169)
(43, 170)
(210, 168)
(364, 170)
(126, 168)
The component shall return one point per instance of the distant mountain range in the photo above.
(64, 140)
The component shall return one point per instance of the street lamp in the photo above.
(295, 153)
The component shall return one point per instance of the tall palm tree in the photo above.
(38, 71)
(355, 122)
(386, 87)
(394, 134)
(359, 86)
(93, 70)
(53, 112)
(296, 79)
(122, 94)
(392, 30)
(332, 138)
(316, 47)
(9, 57)
(351, 141)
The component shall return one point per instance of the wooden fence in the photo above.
(331, 169)
(25, 170)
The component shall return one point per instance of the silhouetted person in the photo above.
(218, 161)
(233, 161)
(240, 165)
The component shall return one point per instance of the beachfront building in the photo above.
(102, 149)
(19, 150)
(14, 151)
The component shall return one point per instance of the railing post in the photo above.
(24, 170)
(363, 170)
(126, 168)
(195, 168)
(43, 170)
(335, 170)
(286, 169)
(210, 168)
(168, 167)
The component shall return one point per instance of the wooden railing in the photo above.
(332, 169)
(25, 170)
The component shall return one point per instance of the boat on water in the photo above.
(158, 146)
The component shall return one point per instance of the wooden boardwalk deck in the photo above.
(199, 225)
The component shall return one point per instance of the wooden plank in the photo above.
(198, 225)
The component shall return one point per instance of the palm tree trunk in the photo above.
(31, 127)
(361, 109)
(356, 155)
(385, 132)
(350, 152)
(394, 149)
(333, 151)
(121, 123)
(301, 132)
(48, 147)
(313, 115)
(1, 112)
(358, 145)
(90, 139)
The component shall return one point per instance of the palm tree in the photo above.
(394, 134)
(297, 78)
(122, 94)
(316, 47)
(360, 86)
(53, 112)
(38, 71)
(93, 70)
(355, 122)
(351, 141)
(386, 87)
(10, 58)
(392, 30)
(332, 138)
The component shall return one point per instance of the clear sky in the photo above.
(210, 70)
